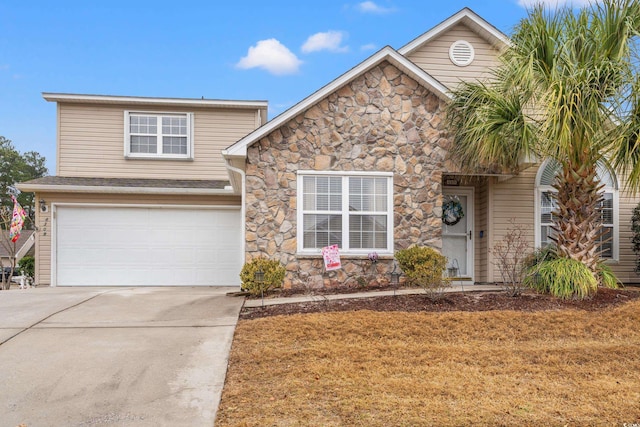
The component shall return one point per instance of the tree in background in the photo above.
(567, 88)
(15, 168)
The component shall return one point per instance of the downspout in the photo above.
(243, 209)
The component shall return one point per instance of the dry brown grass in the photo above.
(364, 368)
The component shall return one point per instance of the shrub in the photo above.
(27, 266)
(604, 277)
(533, 260)
(273, 275)
(424, 267)
(564, 278)
(510, 254)
(540, 255)
(607, 277)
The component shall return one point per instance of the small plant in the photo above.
(27, 266)
(533, 260)
(424, 267)
(564, 278)
(510, 254)
(607, 277)
(273, 275)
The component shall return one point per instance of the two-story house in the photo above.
(182, 192)
(141, 194)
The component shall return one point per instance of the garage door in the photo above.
(135, 246)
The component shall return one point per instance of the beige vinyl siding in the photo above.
(480, 216)
(91, 142)
(515, 198)
(43, 245)
(512, 198)
(44, 220)
(433, 57)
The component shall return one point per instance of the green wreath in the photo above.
(452, 212)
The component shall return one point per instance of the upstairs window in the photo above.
(158, 135)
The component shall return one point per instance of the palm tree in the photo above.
(567, 88)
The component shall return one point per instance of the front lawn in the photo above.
(364, 368)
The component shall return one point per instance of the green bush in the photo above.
(424, 267)
(607, 277)
(540, 255)
(27, 266)
(273, 275)
(563, 278)
(531, 263)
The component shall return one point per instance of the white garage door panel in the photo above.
(103, 246)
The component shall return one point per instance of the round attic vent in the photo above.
(461, 53)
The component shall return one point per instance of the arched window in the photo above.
(545, 205)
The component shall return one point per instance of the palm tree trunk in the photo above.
(577, 221)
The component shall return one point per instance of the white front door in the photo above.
(457, 231)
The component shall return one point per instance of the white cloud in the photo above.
(369, 46)
(272, 56)
(555, 3)
(371, 7)
(330, 41)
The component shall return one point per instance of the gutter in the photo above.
(123, 190)
(242, 206)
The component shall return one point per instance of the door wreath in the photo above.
(452, 212)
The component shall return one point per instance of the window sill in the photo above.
(381, 256)
(180, 159)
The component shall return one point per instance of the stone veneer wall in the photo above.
(382, 121)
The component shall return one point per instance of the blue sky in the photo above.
(279, 51)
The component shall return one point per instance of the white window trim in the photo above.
(539, 189)
(345, 212)
(158, 156)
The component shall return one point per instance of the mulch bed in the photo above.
(460, 301)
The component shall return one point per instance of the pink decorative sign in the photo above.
(331, 256)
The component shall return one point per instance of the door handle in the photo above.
(470, 234)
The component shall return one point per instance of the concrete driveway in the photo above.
(114, 356)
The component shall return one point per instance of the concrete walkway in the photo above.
(402, 291)
(114, 356)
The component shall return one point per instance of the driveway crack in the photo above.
(51, 315)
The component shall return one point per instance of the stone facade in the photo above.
(381, 121)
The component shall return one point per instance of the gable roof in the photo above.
(23, 244)
(465, 16)
(239, 149)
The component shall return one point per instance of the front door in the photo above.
(457, 231)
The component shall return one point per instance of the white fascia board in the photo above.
(136, 100)
(124, 190)
(465, 14)
(239, 149)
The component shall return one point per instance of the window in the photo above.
(151, 135)
(608, 207)
(353, 211)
